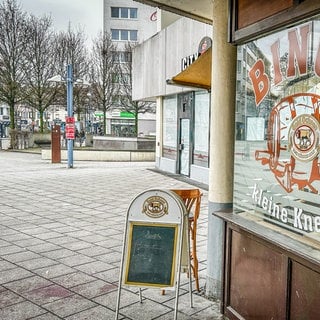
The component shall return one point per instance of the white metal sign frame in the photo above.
(156, 207)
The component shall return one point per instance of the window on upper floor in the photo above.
(121, 56)
(124, 35)
(124, 13)
(123, 78)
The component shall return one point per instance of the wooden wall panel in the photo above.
(251, 11)
(305, 293)
(250, 19)
(257, 279)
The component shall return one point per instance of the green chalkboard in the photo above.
(151, 255)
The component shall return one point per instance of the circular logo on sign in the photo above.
(304, 138)
(155, 207)
(204, 45)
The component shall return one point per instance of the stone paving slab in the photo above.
(61, 233)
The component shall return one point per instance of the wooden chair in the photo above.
(192, 201)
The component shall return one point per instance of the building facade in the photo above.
(127, 20)
(129, 23)
(263, 211)
(182, 112)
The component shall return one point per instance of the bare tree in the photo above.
(71, 49)
(40, 66)
(102, 72)
(13, 39)
(125, 80)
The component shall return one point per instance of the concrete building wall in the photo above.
(145, 24)
(159, 58)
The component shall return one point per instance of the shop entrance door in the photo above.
(184, 147)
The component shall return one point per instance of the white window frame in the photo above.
(132, 13)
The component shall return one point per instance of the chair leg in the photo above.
(195, 260)
(195, 272)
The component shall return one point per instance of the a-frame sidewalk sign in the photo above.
(155, 238)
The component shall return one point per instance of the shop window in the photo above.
(169, 148)
(277, 161)
(123, 127)
(201, 129)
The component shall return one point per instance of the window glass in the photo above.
(122, 127)
(133, 13)
(115, 78)
(124, 35)
(170, 127)
(115, 56)
(277, 161)
(115, 34)
(124, 12)
(201, 129)
(115, 12)
(127, 56)
(134, 35)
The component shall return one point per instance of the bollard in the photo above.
(55, 144)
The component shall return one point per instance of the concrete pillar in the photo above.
(223, 86)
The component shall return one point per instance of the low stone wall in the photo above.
(123, 143)
(103, 155)
(4, 143)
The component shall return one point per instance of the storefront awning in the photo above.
(198, 74)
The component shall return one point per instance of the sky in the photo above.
(86, 14)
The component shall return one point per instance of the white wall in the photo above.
(159, 58)
(145, 26)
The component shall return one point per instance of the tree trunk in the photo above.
(136, 124)
(104, 122)
(12, 117)
(13, 133)
(41, 120)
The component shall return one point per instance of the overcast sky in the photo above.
(86, 14)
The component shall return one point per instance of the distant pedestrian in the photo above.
(76, 136)
(82, 137)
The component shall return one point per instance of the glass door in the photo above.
(184, 147)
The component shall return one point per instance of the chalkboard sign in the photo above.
(151, 256)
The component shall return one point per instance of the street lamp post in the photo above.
(70, 111)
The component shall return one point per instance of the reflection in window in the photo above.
(277, 172)
(201, 129)
(170, 127)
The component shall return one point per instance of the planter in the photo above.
(123, 143)
(42, 139)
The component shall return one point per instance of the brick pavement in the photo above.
(61, 234)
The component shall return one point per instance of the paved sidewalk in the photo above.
(61, 234)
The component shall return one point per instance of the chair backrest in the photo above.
(190, 197)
